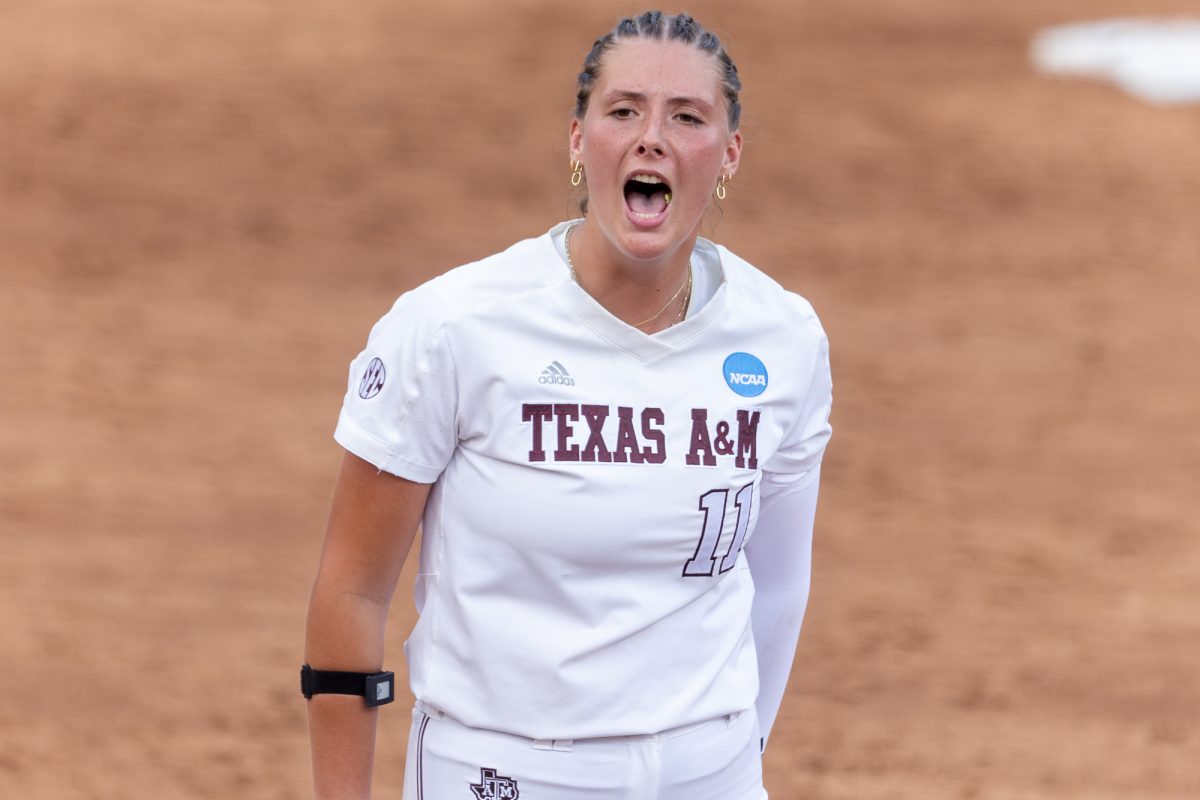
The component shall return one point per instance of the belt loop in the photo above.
(558, 745)
(430, 711)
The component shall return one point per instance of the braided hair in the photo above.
(662, 27)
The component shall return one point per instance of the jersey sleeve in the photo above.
(400, 408)
(779, 555)
(797, 461)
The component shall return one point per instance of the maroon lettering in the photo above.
(627, 441)
(721, 442)
(640, 439)
(658, 453)
(700, 450)
(565, 413)
(747, 439)
(537, 413)
(595, 449)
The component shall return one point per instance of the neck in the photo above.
(650, 294)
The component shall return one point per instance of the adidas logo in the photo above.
(557, 375)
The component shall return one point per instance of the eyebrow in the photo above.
(625, 94)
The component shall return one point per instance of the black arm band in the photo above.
(376, 689)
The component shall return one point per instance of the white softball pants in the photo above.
(714, 760)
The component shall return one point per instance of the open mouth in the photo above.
(647, 196)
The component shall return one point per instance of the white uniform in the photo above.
(580, 570)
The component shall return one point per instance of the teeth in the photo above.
(668, 196)
(646, 179)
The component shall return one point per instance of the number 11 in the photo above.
(704, 561)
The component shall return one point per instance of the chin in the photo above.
(644, 237)
(641, 244)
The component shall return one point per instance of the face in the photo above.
(654, 142)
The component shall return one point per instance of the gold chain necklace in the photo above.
(687, 284)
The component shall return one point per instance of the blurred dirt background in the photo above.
(204, 206)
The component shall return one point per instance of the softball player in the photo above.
(611, 436)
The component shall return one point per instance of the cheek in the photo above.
(603, 160)
(705, 160)
(608, 142)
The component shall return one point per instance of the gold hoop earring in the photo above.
(721, 188)
(576, 173)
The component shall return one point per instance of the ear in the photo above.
(733, 154)
(575, 140)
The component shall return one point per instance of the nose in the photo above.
(650, 141)
(649, 147)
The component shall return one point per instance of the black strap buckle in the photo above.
(376, 689)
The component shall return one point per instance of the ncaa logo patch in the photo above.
(745, 374)
(372, 379)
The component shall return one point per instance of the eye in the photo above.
(689, 119)
(622, 112)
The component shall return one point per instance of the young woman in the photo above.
(611, 437)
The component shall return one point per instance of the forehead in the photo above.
(667, 68)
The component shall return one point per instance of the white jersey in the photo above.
(594, 485)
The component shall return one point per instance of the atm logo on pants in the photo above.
(494, 787)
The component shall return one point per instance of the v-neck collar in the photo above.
(644, 347)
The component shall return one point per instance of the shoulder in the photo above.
(753, 292)
(530, 265)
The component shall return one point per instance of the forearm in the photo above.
(777, 619)
(371, 528)
(344, 632)
(779, 556)
(342, 734)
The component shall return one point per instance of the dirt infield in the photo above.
(204, 206)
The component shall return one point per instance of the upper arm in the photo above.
(397, 424)
(372, 524)
(779, 552)
(401, 403)
(799, 455)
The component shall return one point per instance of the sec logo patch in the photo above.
(745, 374)
(372, 379)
